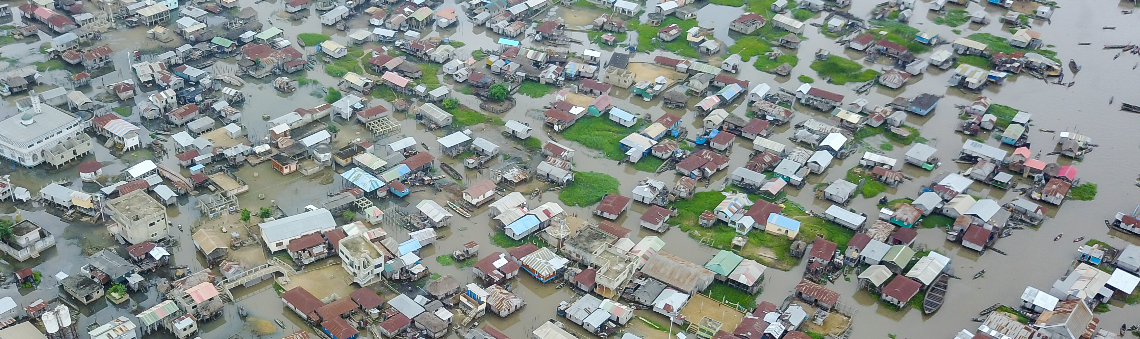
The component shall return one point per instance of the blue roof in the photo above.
(508, 42)
(621, 114)
(362, 179)
(731, 91)
(409, 246)
(524, 224)
(785, 222)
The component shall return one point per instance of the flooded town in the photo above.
(560, 169)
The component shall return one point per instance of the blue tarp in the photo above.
(410, 246)
(362, 179)
(508, 42)
(621, 114)
(524, 225)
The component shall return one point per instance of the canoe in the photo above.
(936, 295)
(1129, 107)
(1073, 66)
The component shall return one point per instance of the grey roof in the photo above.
(985, 209)
(517, 126)
(842, 188)
(649, 291)
(875, 250)
(453, 139)
(1022, 118)
(921, 152)
(1130, 256)
(929, 200)
(583, 307)
(112, 264)
(296, 225)
(485, 144)
(1003, 177)
(200, 123)
(406, 306)
(46, 121)
(56, 192)
(183, 139)
(976, 148)
(164, 192)
(597, 318)
(845, 215)
(1025, 204)
(956, 182)
(788, 167)
(744, 173)
(823, 158)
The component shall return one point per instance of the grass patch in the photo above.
(916, 301)
(765, 64)
(457, 44)
(974, 60)
(1020, 318)
(956, 31)
(48, 65)
(646, 33)
(304, 81)
(648, 164)
(814, 335)
(278, 288)
(722, 292)
(733, 3)
(899, 33)
(935, 221)
(590, 5)
(842, 70)
(4, 40)
(812, 226)
(596, 36)
(867, 132)
(501, 239)
(445, 260)
(479, 55)
(749, 47)
(806, 79)
(1003, 113)
(431, 75)
(466, 90)
(532, 144)
(312, 39)
(802, 14)
(1083, 192)
(335, 71)
(953, 18)
(1000, 44)
(871, 187)
(123, 111)
(384, 93)
(893, 203)
(689, 211)
(887, 146)
(588, 188)
(467, 117)
(600, 134)
(534, 89)
(1134, 298)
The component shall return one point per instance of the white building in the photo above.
(361, 258)
(278, 233)
(30, 136)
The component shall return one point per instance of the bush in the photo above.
(499, 92)
(802, 14)
(332, 128)
(265, 212)
(806, 79)
(1083, 192)
(588, 188)
(842, 70)
(871, 187)
(245, 214)
(450, 103)
(312, 39)
(348, 215)
(333, 95)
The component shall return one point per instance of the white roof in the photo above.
(592, 53)
(402, 144)
(847, 216)
(141, 168)
(454, 139)
(549, 331)
(879, 158)
(432, 210)
(485, 144)
(360, 35)
(760, 89)
(921, 152)
(875, 250)
(834, 140)
(928, 268)
(977, 148)
(670, 297)
(985, 209)
(517, 126)
(877, 274)
(1121, 280)
(183, 139)
(636, 140)
(164, 192)
(774, 146)
(788, 21)
(625, 4)
(823, 158)
(316, 138)
(1039, 298)
(296, 225)
(7, 304)
(956, 182)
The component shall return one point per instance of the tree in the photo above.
(6, 232)
(265, 212)
(245, 214)
(348, 215)
(499, 92)
(333, 128)
(333, 95)
(450, 103)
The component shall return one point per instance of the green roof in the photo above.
(158, 312)
(268, 33)
(220, 41)
(899, 255)
(724, 262)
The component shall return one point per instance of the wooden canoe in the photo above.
(936, 294)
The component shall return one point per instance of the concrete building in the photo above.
(40, 133)
(361, 258)
(278, 233)
(138, 217)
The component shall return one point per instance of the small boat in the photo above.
(1073, 66)
(459, 210)
(1078, 239)
(1129, 107)
(241, 310)
(935, 295)
(280, 323)
(424, 144)
(1084, 43)
(978, 319)
(1109, 27)
(979, 274)
(1058, 237)
(988, 310)
(1047, 130)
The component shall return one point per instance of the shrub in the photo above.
(333, 95)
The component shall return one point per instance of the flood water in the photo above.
(1033, 259)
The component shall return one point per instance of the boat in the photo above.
(280, 323)
(979, 274)
(1124, 106)
(450, 171)
(241, 310)
(1084, 43)
(1058, 237)
(935, 295)
(285, 85)
(988, 310)
(1078, 239)
(459, 210)
(978, 319)
(1073, 66)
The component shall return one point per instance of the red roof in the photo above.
(188, 155)
(859, 241)
(334, 236)
(380, 60)
(667, 61)
(199, 178)
(60, 21)
(755, 126)
(1056, 187)
(133, 186)
(395, 323)
(864, 39)
(723, 138)
(302, 300)
(89, 166)
(184, 111)
(823, 249)
(24, 273)
(765, 307)
(817, 292)
(747, 17)
(825, 94)
(890, 45)
(547, 27)
(655, 215)
(494, 333)
(554, 149)
(904, 235)
(305, 242)
(796, 335)
(977, 235)
(613, 204)
(397, 186)
(103, 120)
(80, 76)
(296, 3)
(751, 328)
(597, 86)
(559, 115)
(613, 228)
(586, 277)
(761, 210)
(366, 298)
(728, 80)
(97, 52)
(901, 288)
(418, 160)
(668, 119)
(372, 112)
(522, 251)
(140, 249)
(336, 309)
(339, 328)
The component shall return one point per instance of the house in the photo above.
(723, 263)
(42, 133)
(138, 217)
(677, 273)
(710, 47)
(893, 79)
(845, 218)
(977, 238)
(1054, 191)
(906, 215)
(1070, 319)
(1037, 300)
(434, 214)
(118, 328)
(612, 206)
(82, 288)
(782, 225)
(455, 143)
(655, 217)
(669, 33)
(923, 104)
(976, 149)
(1129, 259)
(731, 63)
(747, 23)
(862, 42)
(821, 99)
(622, 117)
(480, 192)
(816, 295)
(277, 234)
(900, 290)
(1025, 38)
(787, 23)
(819, 161)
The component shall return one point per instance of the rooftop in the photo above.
(135, 204)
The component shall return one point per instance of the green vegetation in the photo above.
(893, 15)
(600, 134)
(1020, 318)
(1101, 308)
(1003, 113)
(348, 215)
(534, 89)
(814, 335)
(887, 146)
(867, 132)
(449, 103)
(899, 33)
(953, 18)
(5, 40)
(384, 93)
(278, 288)
(431, 75)
(653, 324)
(479, 55)
(466, 90)
(689, 211)
(749, 47)
(720, 291)
(871, 187)
(284, 257)
(467, 117)
(842, 70)
(332, 95)
(335, 71)
(766, 64)
(588, 188)
(457, 44)
(956, 31)
(304, 81)
(974, 60)
(646, 34)
(999, 44)
(648, 164)
(501, 239)
(532, 144)
(50, 64)
(445, 260)
(1133, 298)
(332, 127)
(936, 220)
(312, 39)
(802, 14)
(1083, 192)
(806, 79)
(123, 111)
(596, 36)
(245, 215)
(733, 3)
(434, 276)
(588, 5)
(916, 301)
(499, 92)
(265, 212)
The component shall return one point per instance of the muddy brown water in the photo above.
(1033, 258)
